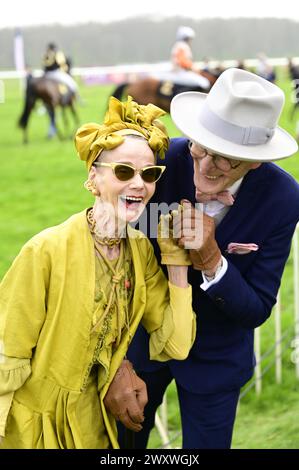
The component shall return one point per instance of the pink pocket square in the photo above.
(241, 248)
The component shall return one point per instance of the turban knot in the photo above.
(122, 119)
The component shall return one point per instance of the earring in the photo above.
(91, 187)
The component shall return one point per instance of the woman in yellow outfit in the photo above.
(73, 298)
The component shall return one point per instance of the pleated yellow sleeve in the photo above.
(19, 332)
(13, 373)
(168, 315)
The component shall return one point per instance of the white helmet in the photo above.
(185, 32)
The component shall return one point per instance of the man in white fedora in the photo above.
(250, 211)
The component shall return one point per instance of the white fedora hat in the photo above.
(237, 118)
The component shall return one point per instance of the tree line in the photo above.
(144, 40)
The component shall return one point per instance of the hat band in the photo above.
(232, 132)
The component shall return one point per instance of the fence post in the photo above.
(164, 413)
(296, 297)
(258, 367)
(277, 316)
(162, 423)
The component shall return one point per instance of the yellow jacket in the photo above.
(46, 345)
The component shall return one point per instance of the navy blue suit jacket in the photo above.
(265, 212)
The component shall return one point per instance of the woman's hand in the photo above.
(171, 253)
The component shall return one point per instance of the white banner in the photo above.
(19, 51)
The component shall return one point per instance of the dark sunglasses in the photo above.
(125, 172)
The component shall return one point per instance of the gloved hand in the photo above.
(198, 235)
(171, 253)
(126, 397)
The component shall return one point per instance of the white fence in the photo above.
(283, 340)
(119, 73)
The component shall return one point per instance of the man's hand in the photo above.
(197, 233)
(127, 397)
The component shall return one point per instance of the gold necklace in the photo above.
(110, 242)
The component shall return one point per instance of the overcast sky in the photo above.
(35, 12)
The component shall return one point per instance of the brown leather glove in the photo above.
(126, 397)
(198, 234)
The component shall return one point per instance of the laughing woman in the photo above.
(73, 298)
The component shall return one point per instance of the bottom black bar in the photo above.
(201, 459)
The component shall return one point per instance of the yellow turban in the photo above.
(121, 119)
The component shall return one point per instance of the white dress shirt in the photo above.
(217, 210)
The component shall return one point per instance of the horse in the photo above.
(52, 94)
(294, 76)
(160, 93)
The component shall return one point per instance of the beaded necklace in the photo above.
(119, 275)
(92, 227)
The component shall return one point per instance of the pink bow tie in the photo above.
(225, 197)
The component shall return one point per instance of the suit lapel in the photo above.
(247, 200)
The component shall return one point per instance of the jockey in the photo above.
(56, 67)
(181, 54)
(184, 70)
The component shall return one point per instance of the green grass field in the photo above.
(42, 184)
